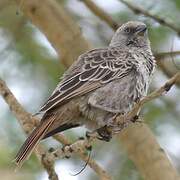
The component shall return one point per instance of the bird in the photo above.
(100, 84)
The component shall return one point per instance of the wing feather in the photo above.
(92, 70)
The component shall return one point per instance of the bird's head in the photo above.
(131, 34)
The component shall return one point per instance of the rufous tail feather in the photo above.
(32, 141)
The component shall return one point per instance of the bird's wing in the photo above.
(91, 71)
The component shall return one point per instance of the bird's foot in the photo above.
(137, 100)
(92, 134)
(88, 147)
(103, 133)
(136, 119)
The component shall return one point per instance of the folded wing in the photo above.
(91, 71)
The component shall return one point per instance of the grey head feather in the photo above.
(131, 34)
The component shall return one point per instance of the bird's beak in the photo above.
(141, 30)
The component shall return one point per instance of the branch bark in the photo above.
(135, 138)
(139, 10)
(27, 124)
(166, 70)
(79, 148)
(135, 149)
(166, 54)
(113, 24)
(144, 150)
(101, 13)
(58, 27)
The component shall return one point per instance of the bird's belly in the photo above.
(118, 96)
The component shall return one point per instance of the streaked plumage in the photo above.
(100, 84)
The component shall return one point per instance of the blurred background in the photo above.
(31, 69)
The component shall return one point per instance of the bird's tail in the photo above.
(31, 142)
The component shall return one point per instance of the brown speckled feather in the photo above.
(101, 83)
(100, 66)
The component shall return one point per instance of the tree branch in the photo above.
(159, 92)
(166, 70)
(28, 122)
(138, 10)
(160, 55)
(80, 148)
(132, 137)
(58, 27)
(156, 152)
(101, 14)
(143, 148)
(161, 63)
(114, 25)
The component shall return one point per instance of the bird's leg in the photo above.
(88, 147)
(68, 155)
(136, 119)
(104, 133)
(137, 100)
(92, 134)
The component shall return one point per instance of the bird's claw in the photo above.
(136, 119)
(92, 134)
(103, 134)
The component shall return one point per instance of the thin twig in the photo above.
(101, 14)
(47, 163)
(80, 147)
(113, 24)
(167, 71)
(166, 54)
(160, 57)
(157, 93)
(139, 10)
(28, 123)
(83, 144)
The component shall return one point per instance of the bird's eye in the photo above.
(127, 30)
